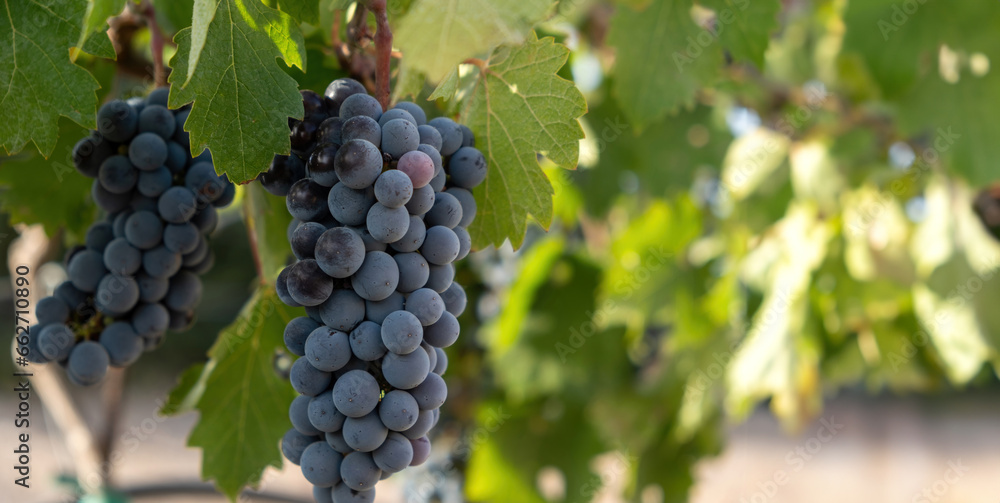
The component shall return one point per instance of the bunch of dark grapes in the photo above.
(137, 274)
(381, 202)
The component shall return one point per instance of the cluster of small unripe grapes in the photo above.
(381, 202)
(137, 274)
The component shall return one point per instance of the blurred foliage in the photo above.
(774, 202)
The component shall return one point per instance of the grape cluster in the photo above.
(137, 274)
(381, 202)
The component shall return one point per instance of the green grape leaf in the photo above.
(518, 108)
(48, 191)
(39, 81)
(303, 11)
(745, 26)
(446, 88)
(463, 29)
(95, 20)
(244, 403)
(267, 220)
(242, 97)
(190, 387)
(659, 63)
(98, 44)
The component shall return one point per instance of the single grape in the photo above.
(399, 136)
(307, 284)
(294, 443)
(359, 471)
(314, 105)
(73, 297)
(366, 433)
(340, 252)
(441, 245)
(177, 157)
(122, 258)
(358, 163)
(303, 239)
(377, 278)
(444, 332)
(159, 120)
(328, 349)
(331, 131)
(308, 380)
(426, 305)
(121, 342)
(177, 205)
(350, 206)
(180, 135)
(402, 332)
(447, 211)
(418, 166)
(422, 200)
(296, 333)
(451, 134)
(335, 439)
(431, 393)
(343, 310)
(51, 310)
(467, 167)
(468, 139)
(321, 164)
(341, 493)
(421, 450)
(356, 393)
(339, 90)
(98, 236)
(143, 230)
(360, 104)
(181, 238)
(302, 135)
(88, 363)
(160, 262)
(89, 153)
(438, 182)
(361, 127)
(468, 202)
(321, 465)
(393, 188)
(413, 271)
(147, 151)
(464, 242)
(106, 200)
(323, 414)
(206, 220)
(306, 200)
(117, 174)
(398, 410)
(158, 96)
(405, 371)
(431, 354)
(55, 342)
(395, 453)
(366, 341)
(387, 224)
(152, 289)
(117, 121)
(440, 277)
(199, 253)
(150, 320)
(435, 156)
(414, 237)
(429, 135)
(184, 292)
(442, 362)
(116, 295)
(454, 299)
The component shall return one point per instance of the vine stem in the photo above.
(156, 46)
(383, 51)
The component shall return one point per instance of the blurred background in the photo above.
(783, 291)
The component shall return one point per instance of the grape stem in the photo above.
(156, 46)
(383, 51)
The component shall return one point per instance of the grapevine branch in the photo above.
(383, 51)
(156, 46)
